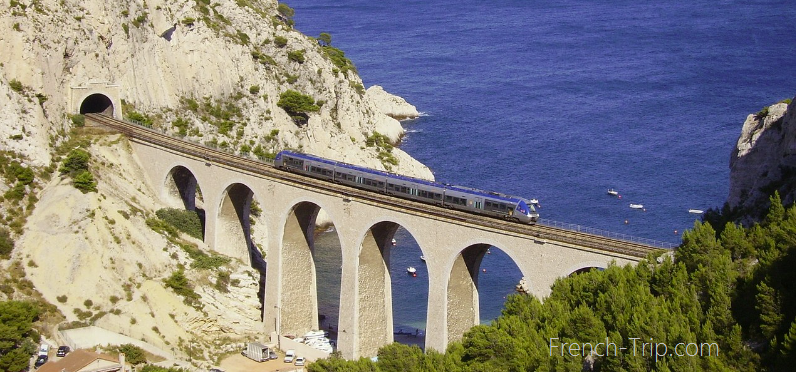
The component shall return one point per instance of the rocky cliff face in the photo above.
(216, 69)
(212, 72)
(764, 159)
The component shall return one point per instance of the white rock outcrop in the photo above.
(391, 105)
(764, 159)
(226, 56)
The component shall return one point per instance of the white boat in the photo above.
(534, 201)
(613, 192)
(423, 258)
(394, 242)
(696, 211)
(636, 206)
(411, 270)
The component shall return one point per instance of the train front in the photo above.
(527, 212)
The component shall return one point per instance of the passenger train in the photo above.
(455, 197)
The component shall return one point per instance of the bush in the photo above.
(295, 103)
(185, 221)
(296, 56)
(132, 354)
(61, 298)
(75, 162)
(254, 89)
(280, 41)
(78, 120)
(85, 182)
(181, 286)
(6, 243)
(16, 86)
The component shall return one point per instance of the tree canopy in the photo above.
(728, 301)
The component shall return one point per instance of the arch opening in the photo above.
(97, 103)
(182, 191)
(389, 295)
(481, 279)
(311, 275)
(233, 224)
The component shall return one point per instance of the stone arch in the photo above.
(181, 188)
(233, 226)
(97, 103)
(585, 267)
(374, 290)
(299, 301)
(463, 302)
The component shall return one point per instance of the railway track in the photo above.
(538, 232)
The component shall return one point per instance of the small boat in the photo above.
(636, 206)
(613, 192)
(411, 270)
(696, 211)
(394, 242)
(534, 201)
(423, 258)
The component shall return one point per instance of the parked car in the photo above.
(300, 361)
(62, 351)
(273, 355)
(40, 361)
(290, 355)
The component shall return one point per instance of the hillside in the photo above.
(229, 74)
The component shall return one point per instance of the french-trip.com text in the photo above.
(635, 346)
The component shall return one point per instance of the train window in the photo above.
(479, 205)
(448, 198)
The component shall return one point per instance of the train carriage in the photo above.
(360, 177)
(416, 189)
(309, 165)
(491, 204)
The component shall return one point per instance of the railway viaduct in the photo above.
(453, 243)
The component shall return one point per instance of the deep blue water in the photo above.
(561, 100)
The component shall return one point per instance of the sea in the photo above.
(561, 101)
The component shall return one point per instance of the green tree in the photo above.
(297, 105)
(75, 162)
(84, 181)
(325, 39)
(132, 354)
(397, 357)
(17, 337)
(286, 12)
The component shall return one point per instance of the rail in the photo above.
(605, 233)
(545, 229)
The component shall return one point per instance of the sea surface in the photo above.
(560, 101)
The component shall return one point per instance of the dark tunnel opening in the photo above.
(97, 104)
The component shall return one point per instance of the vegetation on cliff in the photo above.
(729, 295)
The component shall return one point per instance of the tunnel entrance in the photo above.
(97, 104)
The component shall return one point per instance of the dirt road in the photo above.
(240, 363)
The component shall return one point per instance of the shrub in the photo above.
(85, 182)
(254, 89)
(61, 298)
(181, 286)
(6, 243)
(185, 221)
(339, 59)
(114, 299)
(188, 21)
(75, 162)
(297, 104)
(280, 41)
(132, 354)
(222, 282)
(78, 120)
(16, 86)
(88, 303)
(296, 56)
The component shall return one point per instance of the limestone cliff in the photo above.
(214, 70)
(764, 159)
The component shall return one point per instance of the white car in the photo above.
(290, 355)
(300, 361)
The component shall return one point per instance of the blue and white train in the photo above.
(455, 197)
